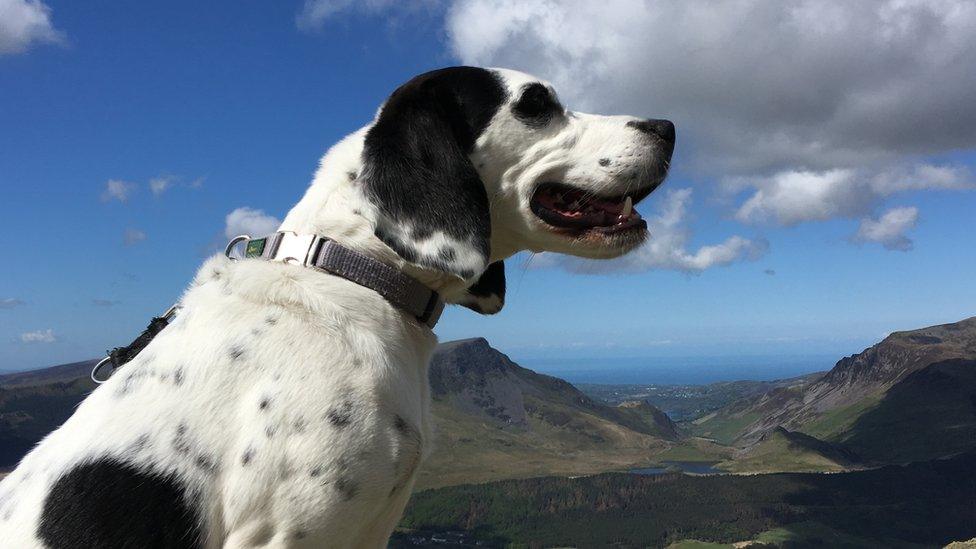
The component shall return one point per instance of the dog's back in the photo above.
(280, 406)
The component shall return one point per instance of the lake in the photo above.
(689, 467)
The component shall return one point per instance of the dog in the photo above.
(287, 407)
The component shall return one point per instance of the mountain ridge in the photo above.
(855, 398)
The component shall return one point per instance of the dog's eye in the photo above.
(536, 106)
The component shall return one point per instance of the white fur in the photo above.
(307, 345)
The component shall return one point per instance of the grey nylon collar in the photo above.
(309, 250)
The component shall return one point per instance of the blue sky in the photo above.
(230, 105)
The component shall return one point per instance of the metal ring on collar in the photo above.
(101, 364)
(233, 242)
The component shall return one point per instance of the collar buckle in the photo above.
(293, 248)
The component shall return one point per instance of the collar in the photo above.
(324, 254)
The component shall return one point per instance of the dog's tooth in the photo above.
(628, 207)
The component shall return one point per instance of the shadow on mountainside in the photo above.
(929, 414)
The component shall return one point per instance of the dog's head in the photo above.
(466, 166)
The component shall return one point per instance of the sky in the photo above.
(821, 194)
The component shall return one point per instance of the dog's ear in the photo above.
(487, 295)
(432, 208)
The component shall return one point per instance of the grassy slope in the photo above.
(723, 428)
(468, 449)
(782, 451)
(831, 424)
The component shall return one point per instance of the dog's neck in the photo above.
(334, 207)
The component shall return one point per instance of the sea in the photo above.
(693, 370)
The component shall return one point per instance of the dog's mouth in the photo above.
(577, 211)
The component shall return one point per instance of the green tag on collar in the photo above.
(255, 247)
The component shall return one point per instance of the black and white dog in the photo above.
(285, 407)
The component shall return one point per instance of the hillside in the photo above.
(924, 504)
(32, 404)
(870, 397)
(929, 413)
(495, 419)
(64, 372)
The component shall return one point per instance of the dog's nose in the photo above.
(663, 129)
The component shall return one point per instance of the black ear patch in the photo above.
(487, 295)
(108, 503)
(432, 206)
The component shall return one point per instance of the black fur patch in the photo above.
(108, 503)
(490, 284)
(181, 442)
(417, 169)
(346, 488)
(536, 107)
(206, 463)
(408, 453)
(236, 352)
(340, 416)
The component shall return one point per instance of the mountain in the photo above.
(910, 397)
(645, 414)
(781, 450)
(32, 404)
(64, 372)
(495, 419)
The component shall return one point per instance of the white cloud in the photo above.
(792, 197)
(667, 248)
(116, 189)
(39, 336)
(159, 185)
(889, 230)
(132, 236)
(11, 302)
(24, 23)
(250, 221)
